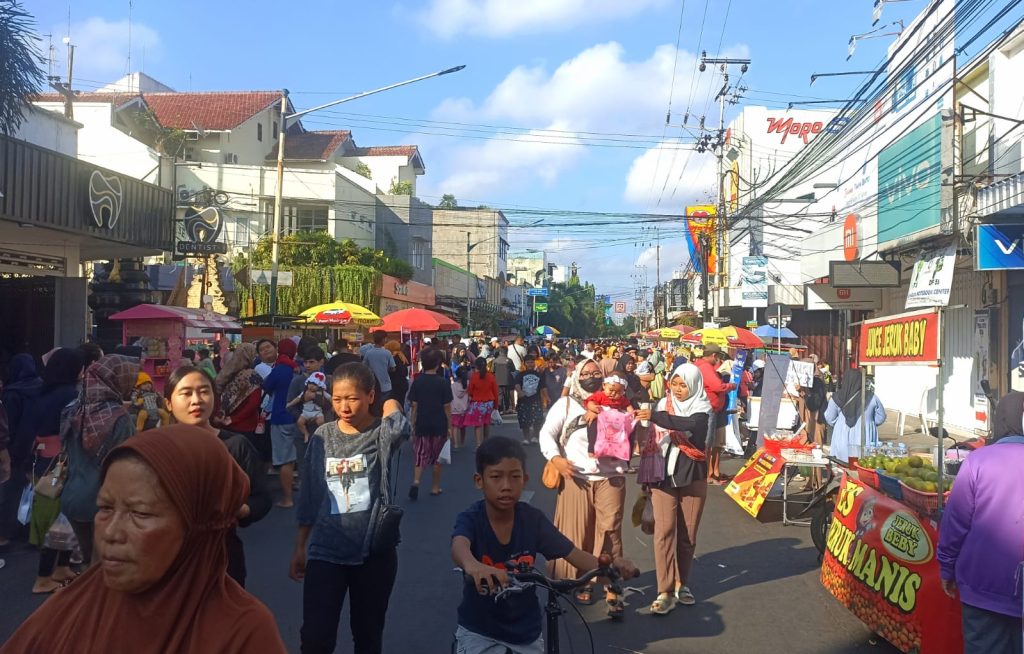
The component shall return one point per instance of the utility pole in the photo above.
(64, 89)
(657, 279)
(275, 235)
(721, 237)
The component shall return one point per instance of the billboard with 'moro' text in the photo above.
(907, 338)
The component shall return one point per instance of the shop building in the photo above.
(57, 212)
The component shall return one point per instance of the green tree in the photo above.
(364, 170)
(320, 249)
(448, 201)
(400, 188)
(21, 72)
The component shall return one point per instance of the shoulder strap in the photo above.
(386, 493)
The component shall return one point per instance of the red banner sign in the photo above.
(880, 563)
(906, 338)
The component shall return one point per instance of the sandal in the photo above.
(664, 604)
(585, 596)
(616, 608)
(685, 597)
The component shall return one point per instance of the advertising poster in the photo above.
(880, 564)
(932, 279)
(754, 282)
(751, 485)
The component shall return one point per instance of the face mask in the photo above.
(591, 384)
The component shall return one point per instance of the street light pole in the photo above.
(285, 117)
(469, 310)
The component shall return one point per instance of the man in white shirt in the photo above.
(517, 354)
(588, 351)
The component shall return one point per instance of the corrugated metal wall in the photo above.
(911, 388)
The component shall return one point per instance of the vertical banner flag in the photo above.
(733, 442)
(701, 221)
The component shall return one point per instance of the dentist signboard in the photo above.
(999, 247)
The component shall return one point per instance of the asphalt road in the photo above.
(756, 582)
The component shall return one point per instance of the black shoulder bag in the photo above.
(386, 534)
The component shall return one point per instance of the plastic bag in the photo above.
(613, 429)
(445, 456)
(60, 536)
(647, 518)
(496, 417)
(25, 505)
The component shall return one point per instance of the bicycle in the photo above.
(522, 577)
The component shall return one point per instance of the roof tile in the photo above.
(313, 146)
(213, 110)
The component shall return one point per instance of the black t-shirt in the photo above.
(554, 381)
(430, 393)
(530, 381)
(516, 618)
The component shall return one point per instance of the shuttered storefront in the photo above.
(911, 389)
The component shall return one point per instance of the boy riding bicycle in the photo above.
(497, 530)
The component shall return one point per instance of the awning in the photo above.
(198, 318)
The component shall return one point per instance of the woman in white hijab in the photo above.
(681, 427)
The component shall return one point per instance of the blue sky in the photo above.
(604, 67)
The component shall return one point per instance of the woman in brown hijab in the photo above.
(167, 499)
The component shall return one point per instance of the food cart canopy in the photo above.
(198, 318)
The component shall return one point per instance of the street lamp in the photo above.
(469, 248)
(285, 117)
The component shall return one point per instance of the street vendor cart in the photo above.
(163, 332)
(879, 546)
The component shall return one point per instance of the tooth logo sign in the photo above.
(105, 199)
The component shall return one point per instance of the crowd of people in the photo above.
(136, 497)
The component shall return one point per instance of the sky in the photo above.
(561, 107)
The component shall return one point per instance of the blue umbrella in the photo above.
(767, 331)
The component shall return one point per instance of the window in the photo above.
(502, 249)
(259, 131)
(274, 130)
(299, 218)
(418, 253)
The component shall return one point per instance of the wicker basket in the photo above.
(927, 504)
(869, 476)
(891, 486)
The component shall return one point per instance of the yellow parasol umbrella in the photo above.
(341, 314)
(665, 334)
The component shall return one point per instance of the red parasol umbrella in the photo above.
(417, 320)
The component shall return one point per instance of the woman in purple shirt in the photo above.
(981, 538)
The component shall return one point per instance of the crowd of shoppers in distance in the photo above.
(331, 425)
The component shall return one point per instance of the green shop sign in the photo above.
(540, 307)
(909, 184)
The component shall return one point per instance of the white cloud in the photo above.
(488, 168)
(101, 48)
(502, 18)
(674, 176)
(598, 90)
